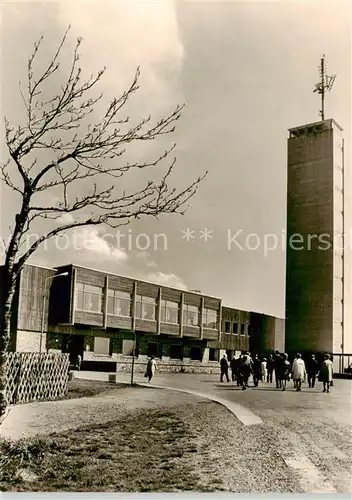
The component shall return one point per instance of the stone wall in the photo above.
(167, 365)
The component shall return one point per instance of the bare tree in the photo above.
(78, 149)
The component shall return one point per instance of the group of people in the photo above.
(262, 369)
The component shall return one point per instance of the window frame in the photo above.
(186, 310)
(216, 355)
(208, 311)
(145, 300)
(115, 298)
(179, 347)
(81, 289)
(164, 307)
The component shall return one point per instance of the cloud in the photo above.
(65, 219)
(145, 258)
(144, 34)
(88, 241)
(171, 280)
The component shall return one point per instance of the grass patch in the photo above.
(79, 388)
(143, 451)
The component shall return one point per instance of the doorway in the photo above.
(73, 345)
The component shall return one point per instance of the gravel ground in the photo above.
(58, 416)
(216, 452)
(210, 450)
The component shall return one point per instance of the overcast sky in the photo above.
(246, 71)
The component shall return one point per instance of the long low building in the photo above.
(104, 317)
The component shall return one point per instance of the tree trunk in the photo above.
(8, 292)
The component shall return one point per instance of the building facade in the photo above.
(104, 317)
(315, 239)
(267, 333)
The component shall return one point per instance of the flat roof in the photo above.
(41, 267)
(329, 121)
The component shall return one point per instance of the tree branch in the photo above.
(79, 149)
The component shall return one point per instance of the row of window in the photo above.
(236, 328)
(102, 346)
(90, 298)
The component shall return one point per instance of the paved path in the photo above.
(265, 402)
(242, 413)
(309, 432)
(312, 428)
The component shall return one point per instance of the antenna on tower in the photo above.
(324, 85)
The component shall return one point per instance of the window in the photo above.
(119, 303)
(338, 266)
(338, 311)
(101, 345)
(145, 308)
(127, 347)
(190, 315)
(338, 222)
(89, 298)
(235, 328)
(210, 318)
(213, 354)
(243, 329)
(227, 327)
(196, 353)
(338, 288)
(176, 351)
(152, 349)
(169, 312)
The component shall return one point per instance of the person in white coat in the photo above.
(326, 372)
(151, 367)
(299, 372)
(264, 370)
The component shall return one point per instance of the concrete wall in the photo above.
(310, 256)
(268, 333)
(30, 341)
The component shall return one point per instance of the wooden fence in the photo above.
(36, 377)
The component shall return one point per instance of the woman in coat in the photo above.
(286, 371)
(264, 370)
(326, 372)
(151, 367)
(299, 373)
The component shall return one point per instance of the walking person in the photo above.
(264, 370)
(224, 368)
(299, 373)
(257, 369)
(233, 366)
(312, 370)
(286, 371)
(151, 367)
(326, 373)
(331, 357)
(246, 368)
(278, 369)
(78, 362)
(250, 361)
(270, 367)
(294, 381)
(238, 371)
